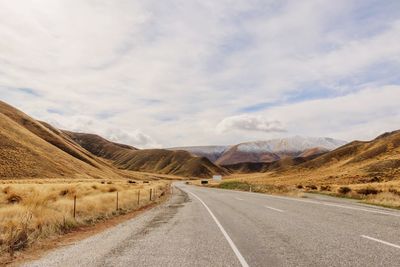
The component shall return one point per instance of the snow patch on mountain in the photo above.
(291, 144)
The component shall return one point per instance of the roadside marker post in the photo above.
(74, 207)
(138, 197)
(117, 201)
(151, 192)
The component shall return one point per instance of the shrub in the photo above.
(344, 190)
(235, 185)
(112, 189)
(299, 186)
(14, 198)
(394, 191)
(325, 188)
(367, 191)
(312, 187)
(64, 192)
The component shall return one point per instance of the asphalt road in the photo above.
(212, 227)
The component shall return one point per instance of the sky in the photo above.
(186, 72)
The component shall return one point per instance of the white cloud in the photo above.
(249, 123)
(135, 138)
(174, 69)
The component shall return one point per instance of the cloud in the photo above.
(249, 123)
(135, 138)
(85, 124)
(138, 67)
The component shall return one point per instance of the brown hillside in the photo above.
(33, 149)
(358, 162)
(234, 155)
(25, 155)
(168, 162)
(99, 146)
(278, 165)
(160, 161)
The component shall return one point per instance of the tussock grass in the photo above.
(29, 212)
(385, 199)
(259, 188)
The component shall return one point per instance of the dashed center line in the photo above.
(275, 209)
(381, 241)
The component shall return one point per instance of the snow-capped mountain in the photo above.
(275, 149)
(291, 144)
(265, 151)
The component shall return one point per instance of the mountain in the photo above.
(35, 149)
(210, 152)
(374, 157)
(99, 146)
(276, 149)
(278, 165)
(357, 162)
(32, 149)
(161, 161)
(164, 161)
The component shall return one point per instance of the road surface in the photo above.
(213, 227)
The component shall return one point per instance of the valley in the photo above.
(44, 170)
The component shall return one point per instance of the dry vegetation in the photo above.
(385, 194)
(32, 210)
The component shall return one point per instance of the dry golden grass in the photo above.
(31, 211)
(383, 193)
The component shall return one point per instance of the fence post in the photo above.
(74, 207)
(117, 201)
(151, 192)
(138, 198)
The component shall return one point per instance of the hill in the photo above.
(376, 158)
(278, 165)
(99, 146)
(358, 163)
(210, 152)
(162, 161)
(31, 149)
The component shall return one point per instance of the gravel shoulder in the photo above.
(179, 232)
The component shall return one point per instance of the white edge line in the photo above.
(380, 241)
(233, 246)
(366, 209)
(275, 209)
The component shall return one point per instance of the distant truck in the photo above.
(217, 177)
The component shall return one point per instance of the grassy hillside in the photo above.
(33, 149)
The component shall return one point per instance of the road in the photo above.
(212, 227)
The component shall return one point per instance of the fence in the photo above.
(153, 196)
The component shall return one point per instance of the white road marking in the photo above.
(381, 241)
(318, 203)
(233, 246)
(238, 198)
(275, 209)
